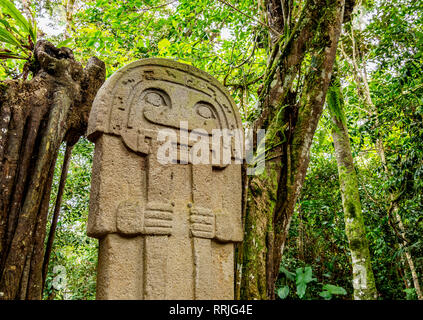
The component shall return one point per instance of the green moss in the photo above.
(351, 210)
(356, 244)
(335, 103)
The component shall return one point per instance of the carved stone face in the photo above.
(158, 107)
(156, 94)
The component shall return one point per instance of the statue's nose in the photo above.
(196, 118)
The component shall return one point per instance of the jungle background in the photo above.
(379, 67)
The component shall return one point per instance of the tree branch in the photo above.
(250, 17)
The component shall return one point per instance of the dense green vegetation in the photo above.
(379, 63)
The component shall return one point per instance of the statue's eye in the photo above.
(204, 110)
(154, 99)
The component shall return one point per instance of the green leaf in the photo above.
(326, 295)
(91, 42)
(163, 44)
(304, 275)
(410, 294)
(289, 275)
(283, 292)
(301, 289)
(10, 55)
(334, 289)
(7, 37)
(18, 17)
(9, 27)
(65, 42)
(308, 274)
(174, 24)
(33, 32)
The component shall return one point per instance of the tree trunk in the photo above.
(36, 117)
(363, 90)
(69, 9)
(407, 254)
(56, 211)
(290, 118)
(363, 278)
(260, 202)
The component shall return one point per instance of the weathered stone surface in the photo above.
(166, 231)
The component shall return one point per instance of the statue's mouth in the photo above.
(183, 144)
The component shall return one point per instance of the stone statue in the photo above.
(165, 230)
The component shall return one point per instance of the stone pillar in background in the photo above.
(166, 231)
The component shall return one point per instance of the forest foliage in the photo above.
(379, 63)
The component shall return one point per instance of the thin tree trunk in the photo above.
(363, 278)
(56, 211)
(407, 253)
(69, 9)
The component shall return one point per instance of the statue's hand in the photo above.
(158, 219)
(202, 222)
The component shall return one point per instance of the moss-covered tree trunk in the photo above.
(290, 105)
(362, 278)
(252, 258)
(36, 117)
